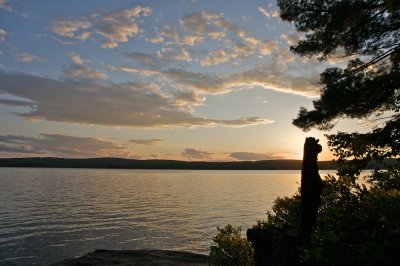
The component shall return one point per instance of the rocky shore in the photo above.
(137, 257)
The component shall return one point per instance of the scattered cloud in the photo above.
(60, 145)
(182, 55)
(215, 58)
(269, 76)
(157, 39)
(70, 28)
(28, 58)
(196, 154)
(11, 102)
(188, 98)
(111, 104)
(266, 47)
(268, 14)
(4, 5)
(76, 58)
(251, 156)
(78, 70)
(146, 142)
(3, 35)
(151, 60)
(134, 70)
(291, 39)
(115, 26)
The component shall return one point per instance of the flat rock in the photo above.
(137, 257)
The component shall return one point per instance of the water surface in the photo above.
(47, 215)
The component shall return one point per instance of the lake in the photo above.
(47, 215)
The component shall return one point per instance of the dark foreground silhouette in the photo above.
(279, 246)
(311, 185)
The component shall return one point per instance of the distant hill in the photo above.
(119, 163)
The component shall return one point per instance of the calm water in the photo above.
(47, 215)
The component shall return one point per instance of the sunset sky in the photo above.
(179, 79)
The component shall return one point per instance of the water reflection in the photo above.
(47, 215)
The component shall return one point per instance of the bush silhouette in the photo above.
(231, 248)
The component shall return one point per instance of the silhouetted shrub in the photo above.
(357, 224)
(231, 248)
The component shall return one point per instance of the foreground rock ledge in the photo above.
(137, 257)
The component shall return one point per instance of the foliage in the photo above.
(357, 224)
(285, 213)
(231, 248)
(369, 31)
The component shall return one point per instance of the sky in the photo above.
(201, 80)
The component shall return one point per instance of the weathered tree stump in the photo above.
(311, 184)
(277, 246)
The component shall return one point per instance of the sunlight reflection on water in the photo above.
(47, 215)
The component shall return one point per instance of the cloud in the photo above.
(197, 154)
(118, 32)
(208, 23)
(215, 58)
(28, 58)
(268, 14)
(216, 26)
(285, 73)
(135, 70)
(291, 39)
(157, 39)
(110, 104)
(11, 102)
(146, 142)
(195, 28)
(152, 60)
(216, 35)
(60, 145)
(71, 27)
(115, 26)
(270, 76)
(182, 55)
(3, 35)
(76, 58)
(251, 156)
(6, 148)
(266, 47)
(264, 12)
(5, 6)
(78, 70)
(188, 98)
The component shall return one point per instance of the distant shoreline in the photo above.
(119, 163)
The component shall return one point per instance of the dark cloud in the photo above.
(151, 60)
(113, 104)
(197, 154)
(60, 145)
(251, 156)
(80, 71)
(146, 142)
(17, 103)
